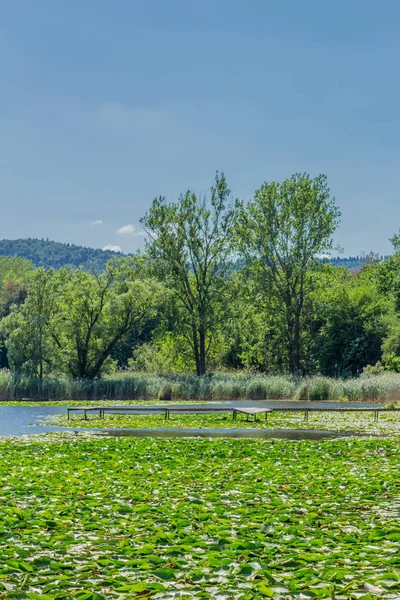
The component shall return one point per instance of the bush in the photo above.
(372, 370)
(302, 391)
(319, 389)
(166, 392)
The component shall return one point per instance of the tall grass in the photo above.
(220, 386)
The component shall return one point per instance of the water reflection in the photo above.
(286, 434)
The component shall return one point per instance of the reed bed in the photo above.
(219, 386)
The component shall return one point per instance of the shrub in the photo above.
(166, 392)
(319, 389)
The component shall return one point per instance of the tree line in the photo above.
(50, 254)
(221, 285)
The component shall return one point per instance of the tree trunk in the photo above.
(296, 346)
(290, 324)
(202, 352)
(196, 351)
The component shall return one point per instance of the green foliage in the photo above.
(372, 370)
(113, 518)
(344, 422)
(352, 263)
(32, 351)
(166, 355)
(14, 268)
(280, 233)
(49, 254)
(72, 320)
(392, 362)
(220, 386)
(352, 318)
(391, 346)
(94, 312)
(226, 286)
(319, 389)
(13, 275)
(192, 240)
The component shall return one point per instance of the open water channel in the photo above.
(26, 420)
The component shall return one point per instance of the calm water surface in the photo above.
(22, 420)
(264, 434)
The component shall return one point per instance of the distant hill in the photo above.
(45, 253)
(352, 262)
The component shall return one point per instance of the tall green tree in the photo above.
(27, 329)
(95, 312)
(352, 320)
(191, 239)
(281, 232)
(13, 284)
(14, 272)
(71, 320)
(387, 275)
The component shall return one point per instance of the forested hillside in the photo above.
(46, 253)
(352, 262)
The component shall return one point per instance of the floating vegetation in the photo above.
(100, 518)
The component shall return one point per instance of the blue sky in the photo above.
(105, 105)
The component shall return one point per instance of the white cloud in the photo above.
(126, 229)
(141, 233)
(97, 222)
(113, 247)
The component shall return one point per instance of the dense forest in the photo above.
(54, 255)
(184, 305)
(352, 262)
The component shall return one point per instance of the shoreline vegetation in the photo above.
(228, 290)
(219, 386)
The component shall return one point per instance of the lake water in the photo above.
(20, 420)
(210, 432)
(23, 420)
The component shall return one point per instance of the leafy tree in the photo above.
(14, 268)
(13, 275)
(391, 346)
(71, 320)
(191, 240)
(31, 349)
(94, 312)
(281, 232)
(352, 322)
(388, 277)
(253, 334)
